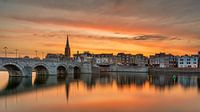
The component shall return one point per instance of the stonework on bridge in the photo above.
(24, 67)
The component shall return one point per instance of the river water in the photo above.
(106, 92)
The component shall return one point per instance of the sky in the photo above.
(100, 26)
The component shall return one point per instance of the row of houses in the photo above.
(120, 59)
(161, 60)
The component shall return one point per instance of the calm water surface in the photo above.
(116, 92)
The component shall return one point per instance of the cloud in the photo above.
(155, 24)
(151, 37)
(155, 37)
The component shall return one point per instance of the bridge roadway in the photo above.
(24, 67)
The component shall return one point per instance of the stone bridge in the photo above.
(24, 67)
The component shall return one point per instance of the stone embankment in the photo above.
(174, 70)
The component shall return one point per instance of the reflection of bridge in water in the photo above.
(18, 85)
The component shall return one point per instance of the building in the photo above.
(199, 59)
(188, 61)
(86, 56)
(104, 58)
(94, 58)
(140, 60)
(124, 59)
(163, 60)
(67, 49)
(133, 60)
(54, 57)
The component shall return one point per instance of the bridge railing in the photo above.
(31, 60)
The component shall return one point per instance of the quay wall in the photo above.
(117, 68)
(174, 70)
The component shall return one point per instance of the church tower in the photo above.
(67, 49)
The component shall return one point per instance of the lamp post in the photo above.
(16, 51)
(36, 53)
(5, 48)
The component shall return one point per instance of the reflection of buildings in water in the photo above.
(121, 79)
(89, 80)
(77, 76)
(188, 81)
(67, 88)
(138, 79)
(167, 80)
(104, 79)
(162, 81)
(198, 83)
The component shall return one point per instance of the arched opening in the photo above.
(13, 70)
(41, 70)
(61, 70)
(41, 75)
(77, 72)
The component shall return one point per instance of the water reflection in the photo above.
(19, 84)
(13, 83)
(82, 88)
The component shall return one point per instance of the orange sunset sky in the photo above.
(100, 26)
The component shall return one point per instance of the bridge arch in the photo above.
(14, 69)
(41, 69)
(77, 70)
(62, 70)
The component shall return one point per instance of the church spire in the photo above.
(67, 49)
(67, 43)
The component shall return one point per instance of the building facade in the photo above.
(133, 60)
(163, 60)
(140, 60)
(104, 58)
(123, 59)
(86, 56)
(199, 59)
(188, 62)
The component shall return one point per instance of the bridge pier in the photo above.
(86, 68)
(27, 71)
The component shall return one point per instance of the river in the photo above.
(106, 92)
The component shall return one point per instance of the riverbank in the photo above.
(117, 68)
(174, 70)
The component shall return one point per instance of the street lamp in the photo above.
(5, 48)
(16, 50)
(36, 53)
